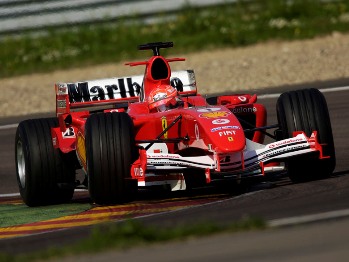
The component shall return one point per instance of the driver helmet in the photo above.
(162, 97)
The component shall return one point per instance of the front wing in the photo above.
(165, 168)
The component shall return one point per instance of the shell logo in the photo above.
(216, 114)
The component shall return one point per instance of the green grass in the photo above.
(12, 215)
(191, 29)
(130, 234)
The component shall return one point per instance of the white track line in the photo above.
(10, 195)
(8, 126)
(323, 90)
(334, 89)
(18, 194)
(289, 221)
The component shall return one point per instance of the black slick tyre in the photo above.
(306, 110)
(44, 174)
(110, 152)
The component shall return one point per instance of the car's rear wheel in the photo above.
(44, 174)
(306, 110)
(110, 152)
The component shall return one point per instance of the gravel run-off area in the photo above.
(245, 69)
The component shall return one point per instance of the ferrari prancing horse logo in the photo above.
(164, 126)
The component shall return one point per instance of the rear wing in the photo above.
(113, 92)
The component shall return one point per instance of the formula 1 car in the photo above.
(156, 130)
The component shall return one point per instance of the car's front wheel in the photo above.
(110, 152)
(306, 110)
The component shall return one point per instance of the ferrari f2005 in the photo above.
(156, 130)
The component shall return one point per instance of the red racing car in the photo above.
(156, 130)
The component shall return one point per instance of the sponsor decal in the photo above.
(68, 133)
(215, 114)
(62, 89)
(285, 150)
(164, 156)
(159, 96)
(164, 126)
(230, 139)
(218, 128)
(54, 141)
(225, 159)
(286, 142)
(226, 133)
(121, 88)
(238, 110)
(209, 109)
(61, 103)
(242, 99)
(177, 83)
(220, 121)
(138, 171)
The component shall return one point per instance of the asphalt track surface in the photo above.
(279, 202)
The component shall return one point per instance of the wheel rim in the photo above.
(21, 163)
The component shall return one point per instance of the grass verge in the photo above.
(12, 215)
(131, 234)
(191, 29)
